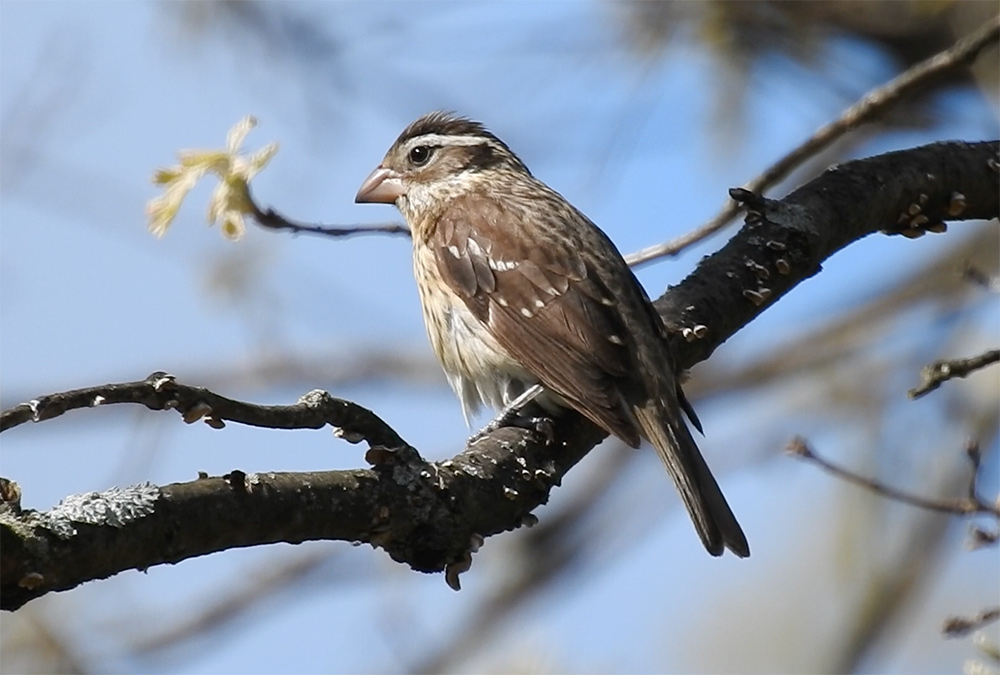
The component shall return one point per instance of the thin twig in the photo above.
(941, 371)
(799, 447)
(871, 105)
(271, 219)
(957, 626)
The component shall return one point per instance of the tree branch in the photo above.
(161, 391)
(272, 220)
(433, 515)
(958, 626)
(429, 515)
(784, 242)
(941, 371)
(969, 505)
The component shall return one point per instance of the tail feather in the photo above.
(712, 517)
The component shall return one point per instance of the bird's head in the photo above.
(436, 158)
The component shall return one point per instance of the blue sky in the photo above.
(95, 95)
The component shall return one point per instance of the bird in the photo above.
(524, 297)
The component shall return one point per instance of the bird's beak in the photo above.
(383, 186)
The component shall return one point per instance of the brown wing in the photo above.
(542, 302)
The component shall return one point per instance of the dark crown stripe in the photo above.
(445, 124)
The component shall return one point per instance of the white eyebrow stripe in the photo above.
(442, 140)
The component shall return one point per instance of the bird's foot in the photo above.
(513, 416)
(541, 425)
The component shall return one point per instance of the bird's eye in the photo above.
(420, 154)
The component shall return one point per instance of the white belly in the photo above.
(478, 368)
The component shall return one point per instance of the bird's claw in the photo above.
(543, 426)
(546, 428)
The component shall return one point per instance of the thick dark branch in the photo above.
(428, 515)
(784, 242)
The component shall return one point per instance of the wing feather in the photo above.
(543, 304)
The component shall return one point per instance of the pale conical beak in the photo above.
(383, 186)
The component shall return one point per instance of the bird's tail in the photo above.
(663, 426)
